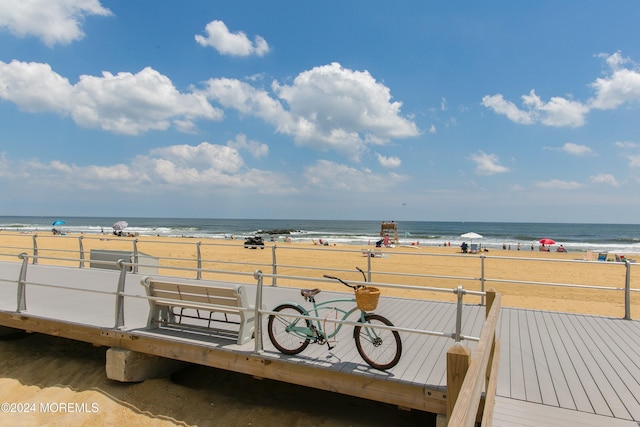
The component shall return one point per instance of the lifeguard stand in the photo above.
(389, 229)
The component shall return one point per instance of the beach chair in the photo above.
(474, 248)
(602, 256)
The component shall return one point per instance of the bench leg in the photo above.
(247, 327)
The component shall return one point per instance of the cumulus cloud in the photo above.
(255, 148)
(620, 86)
(211, 167)
(225, 42)
(388, 162)
(335, 176)
(487, 164)
(52, 21)
(604, 178)
(325, 108)
(123, 103)
(556, 112)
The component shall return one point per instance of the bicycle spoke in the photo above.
(380, 348)
(282, 336)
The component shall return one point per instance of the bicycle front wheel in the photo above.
(380, 348)
(282, 332)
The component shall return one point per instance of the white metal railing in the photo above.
(483, 278)
(120, 294)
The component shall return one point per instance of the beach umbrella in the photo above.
(58, 222)
(120, 225)
(546, 241)
(471, 235)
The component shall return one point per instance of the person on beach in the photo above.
(464, 247)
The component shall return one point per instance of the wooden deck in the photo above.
(554, 367)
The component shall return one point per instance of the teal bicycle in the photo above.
(292, 329)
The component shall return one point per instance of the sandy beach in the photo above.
(39, 369)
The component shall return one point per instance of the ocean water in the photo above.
(622, 238)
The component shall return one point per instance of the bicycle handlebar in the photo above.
(339, 280)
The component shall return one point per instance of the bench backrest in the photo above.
(219, 295)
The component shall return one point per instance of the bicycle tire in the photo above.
(285, 341)
(380, 348)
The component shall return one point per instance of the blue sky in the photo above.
(404, 110)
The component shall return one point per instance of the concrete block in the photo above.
(130, 366)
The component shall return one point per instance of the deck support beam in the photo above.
(131, 366)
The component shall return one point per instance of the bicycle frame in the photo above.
(317, 331)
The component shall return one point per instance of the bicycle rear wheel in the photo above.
(281, 334)
(380, 348)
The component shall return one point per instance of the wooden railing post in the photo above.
(458, 361)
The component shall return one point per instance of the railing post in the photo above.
(22, 283)
(369, 265)
(482, 257)
(274, 266)
(627, 291)
(459, 292)
(458, 362)
(35, 249)
(257, 315)
(120, 295)
(135, 255)
(81, 251)
(199, 260)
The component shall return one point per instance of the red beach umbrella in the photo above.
(546, 241)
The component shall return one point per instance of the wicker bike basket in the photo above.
(367, 298)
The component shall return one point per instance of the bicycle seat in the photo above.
(308, 293)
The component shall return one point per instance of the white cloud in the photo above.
(53, 21)
(339, 177)
(123, 103)
(622, 86)
(604, 178)
(227, 43)
(329, 108)
(626, 144)
(501, 106)
(212, 168)
(634, 160)
(556, 184)
(432, 129)
(256, 148)
(557, 112)
(35, 87)
(576, 149)
(388, 162)
(487, 164)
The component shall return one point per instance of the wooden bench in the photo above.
(173, 303)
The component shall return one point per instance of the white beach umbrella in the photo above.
(471, 235)
(120, 225)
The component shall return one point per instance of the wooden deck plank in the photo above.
(515, 357)
(605, 379)
(568, 361)
(529, 370)
(517, 413)
(617, 360)
(546, 390)
(504, 373)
